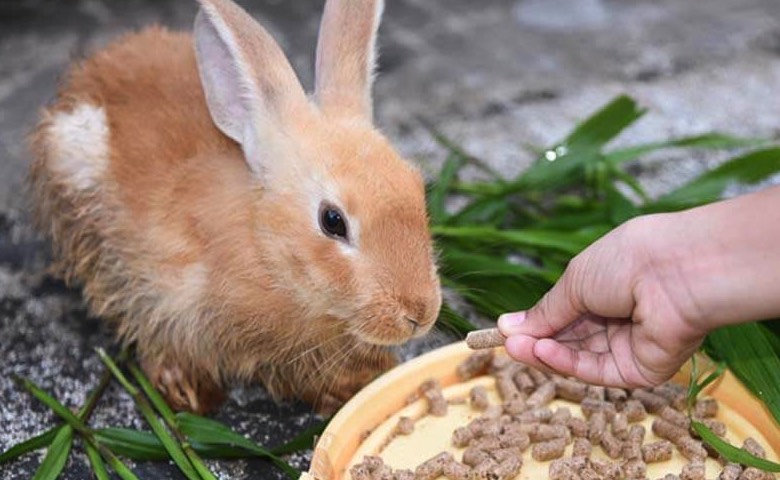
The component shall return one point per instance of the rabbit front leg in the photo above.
(183, 389)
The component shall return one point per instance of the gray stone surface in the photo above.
(496, 75)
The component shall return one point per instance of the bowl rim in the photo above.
(390, 392)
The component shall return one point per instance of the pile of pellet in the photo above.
(494, 442)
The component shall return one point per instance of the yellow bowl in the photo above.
(376, 407)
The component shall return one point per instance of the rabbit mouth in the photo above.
(389, 332)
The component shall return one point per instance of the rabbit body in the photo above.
(205, 246)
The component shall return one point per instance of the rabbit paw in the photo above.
(185, 392)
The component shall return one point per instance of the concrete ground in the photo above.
(495, 75)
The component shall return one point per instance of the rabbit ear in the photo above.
(345, 56)
(250, 86)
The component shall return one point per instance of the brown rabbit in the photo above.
(232, 228)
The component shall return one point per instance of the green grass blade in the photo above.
(57, 455)
(207, 431)
(711, 141)
(440, 189)
(133, 444)
(748, 353)
(747, 169)
(98, 467)
(449, 318)
(159, 403)
(302, 441)
(568, 242)
(171, 445)
(34, 443)
(454, 149)
(732, 453)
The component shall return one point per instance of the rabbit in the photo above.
(231, 228)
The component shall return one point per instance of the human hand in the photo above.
(621, 314)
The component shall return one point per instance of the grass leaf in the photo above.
(57, 455)
(302, 441)
(98, 467)
(449, 318)
(34, 443)
(747, 169)
(207, 431)
(438, 190)
(714, 141)
(751, 357)
(732, 453)
(568, 242)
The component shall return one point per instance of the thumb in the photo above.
(557, 309)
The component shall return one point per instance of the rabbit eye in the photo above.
(332, 222)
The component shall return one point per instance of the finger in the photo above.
(559, 307)
(591, 367)
(521, 348)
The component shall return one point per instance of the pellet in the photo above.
(591, 405)
(491, 428)
(385, 472)
(669, 391)
(753, 473)
(433, 467)
(484, 471)
(544, 394)
(632, 447)
(560, 416)
(691, 449)
(519, 440)
(669, 431)
(731, 471)
(705, 408)
(753, 447)
(634, 411)
(612, 446)
(502, 454)
(546, 432)
(373, 462)
(509, 468)
(524, 382)
(659, 451)
(476, 364)
(360, 472)
(561, 469)
(620, 426)
(635, 468)
(693, 471)
(606, 470)
(404, 474)
(493, 412)
(577, 426)
(582, 448)
(456, 471)
(506, 387)
(542, 414)
(571, 390)
(616, 395)
(538, 376)
(597, 424)
(485, 443)
(474, 456)
(678, 418)
(670, 476)
(548, 450)
(478, 398)
(429, 384)
(486, 338)
(461, 436)
(516, 406)
(437, 405)
(405, 426)
(680, 402)
(588, 473)
(596, 392)
(578, 463)
(500, 362)
(653, 403)
(717, 427)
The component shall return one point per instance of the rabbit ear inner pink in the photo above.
(346, 54)
(250, 87)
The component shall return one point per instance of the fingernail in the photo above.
(509, 323)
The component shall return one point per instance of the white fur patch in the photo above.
(79, 145)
